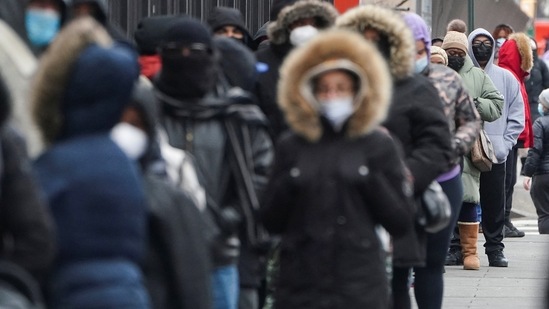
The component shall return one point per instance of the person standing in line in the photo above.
(295, 25)
(489, 103)
(536, 168)
(228, 140)
(503, 133)
(93, 188)
(228, 22)
(416, 118)
(337, 175)
(516, 56)
(464, 122)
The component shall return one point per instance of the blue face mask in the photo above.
(540, 110)
(420, 65)
(42, 26)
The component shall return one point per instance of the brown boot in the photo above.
(468, 235)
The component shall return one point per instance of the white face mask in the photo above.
(132, 140)
(302, 35)
(337, 110)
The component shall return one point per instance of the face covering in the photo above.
(42, 26)
(132, 140)
(540, 110)
(187, 77)
(456, 62)
(421, 64)
(337, 110)
(482, 52)
(500, 41)
(302, 35)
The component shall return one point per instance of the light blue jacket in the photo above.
(504, 131)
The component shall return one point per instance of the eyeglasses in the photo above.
(478, 43)
(185, 50)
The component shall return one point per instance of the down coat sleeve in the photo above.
(534, 154)
(490, 102)
(467, 122)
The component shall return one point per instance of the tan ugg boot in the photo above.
(468, 235)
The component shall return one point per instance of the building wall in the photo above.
(128, 13)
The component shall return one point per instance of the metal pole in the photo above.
(471, 15)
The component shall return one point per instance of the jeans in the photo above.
(225, 287)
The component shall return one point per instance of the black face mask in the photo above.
(187, 77)
(456, 62)
(482, 52)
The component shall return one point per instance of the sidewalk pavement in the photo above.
(521, 285)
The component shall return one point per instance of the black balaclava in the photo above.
(192, 76)
(482, 52)
(456, 62)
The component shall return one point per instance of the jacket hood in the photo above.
(471, 38)
(516, 55)
(148, 35)
(101, 5)
(334, 49)
(324, 13)
(225, 16)
(82, 82)
(237, 62)
(402, 51)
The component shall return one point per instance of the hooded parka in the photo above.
(517, 58)
(279, 37)
(416, 116)
(330, 188)
(92, 187)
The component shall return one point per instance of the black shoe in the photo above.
(497, 259)
(454, 257)
(511, 231)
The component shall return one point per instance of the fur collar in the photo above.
(525, 51)
(55, 68)
(325, 13)
(402, 56)
(372, 102)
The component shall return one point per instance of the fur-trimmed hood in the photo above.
(80, 86)
(402, 50)
(325, 14)
(295, 87)
(516, 55)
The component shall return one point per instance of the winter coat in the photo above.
(416, 117)
(201, 128)
(504, 131)
(279, 46)
(463, 118)
(517, 58)
(329, 189)
(535, 83)
(489, 103)
(537, 162)
(93, 189)
(226, 16)
(24, 217)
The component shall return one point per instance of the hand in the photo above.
(527, 182)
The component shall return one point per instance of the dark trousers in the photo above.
(429, 284)
(540, 196)
(510, 181)
(492, 203)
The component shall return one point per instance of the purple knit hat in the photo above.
(419, 29)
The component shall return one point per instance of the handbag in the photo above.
(482, 153)
(436, 212)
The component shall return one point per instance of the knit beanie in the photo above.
(188, 30)
(544, 98)
(439, 53)
(454, 39)
(419, 29)
(148, 34)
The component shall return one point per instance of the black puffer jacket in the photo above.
(537, 162)
(416, 116)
